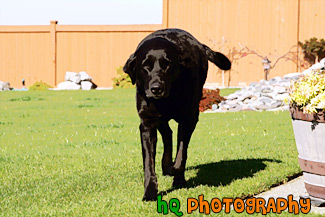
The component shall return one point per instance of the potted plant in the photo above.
(307, 108)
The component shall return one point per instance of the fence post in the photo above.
(53, 24)
(298, 37)
(165, 13)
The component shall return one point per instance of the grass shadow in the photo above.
(224, 172)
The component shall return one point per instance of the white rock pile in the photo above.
(265, 95)
(4, 86)
(76, 81)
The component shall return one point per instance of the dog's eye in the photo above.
(147, 65)
(163, 63)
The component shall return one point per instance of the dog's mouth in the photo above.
(163, 94)
(156, 96)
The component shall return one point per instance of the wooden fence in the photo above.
(245, 30)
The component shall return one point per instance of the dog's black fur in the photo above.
(169, 68)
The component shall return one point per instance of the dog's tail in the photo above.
(218, 58)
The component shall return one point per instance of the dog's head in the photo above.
(154, 67)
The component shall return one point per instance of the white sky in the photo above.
(87, 12)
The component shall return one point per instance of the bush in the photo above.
(314, 49)
(210, 97)
(122, 80)
(308, 92)
(40, 86)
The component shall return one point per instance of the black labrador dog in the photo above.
(169, 68)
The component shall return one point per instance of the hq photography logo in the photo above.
(250, 206)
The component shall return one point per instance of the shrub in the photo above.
(314, 49)
(122, 80)
(40, 86)
(308, 92)
(210, 97)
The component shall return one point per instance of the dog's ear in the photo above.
(129, 67)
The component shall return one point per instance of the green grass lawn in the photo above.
(78, 153)
(227, 91)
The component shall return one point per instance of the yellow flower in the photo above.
(309, 91)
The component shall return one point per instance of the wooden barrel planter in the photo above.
(309, 130)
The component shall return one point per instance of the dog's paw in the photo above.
(179, 181)
(150, 196)
(151, 190)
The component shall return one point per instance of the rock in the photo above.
(306, 71)
(72, 76)
(68, 85)
(285, 84)
(256, 103)
(285, 108)
(268, 95)
(246, 95)
(231, 105)
(294, 76)
(236, 109)
(262, 107)
(276, 104)
(257, 89)
(316, 66)
(322, 62)
(275, 80)
(84, 76)
(265, 100)
(266, 89)
(232, 102)
(225, 107)
(246, 101)
(81, 80)
(232, 96)
(214, 107)
(281, 108)
(281, 97)
(280, 90)
(247, 108)
(265, 83)
(86, 85)
(77, 77)
(4, 86)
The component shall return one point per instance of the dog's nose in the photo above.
(156, 89)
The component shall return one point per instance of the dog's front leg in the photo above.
(167, 137)
(185, 130)
(149, 141)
